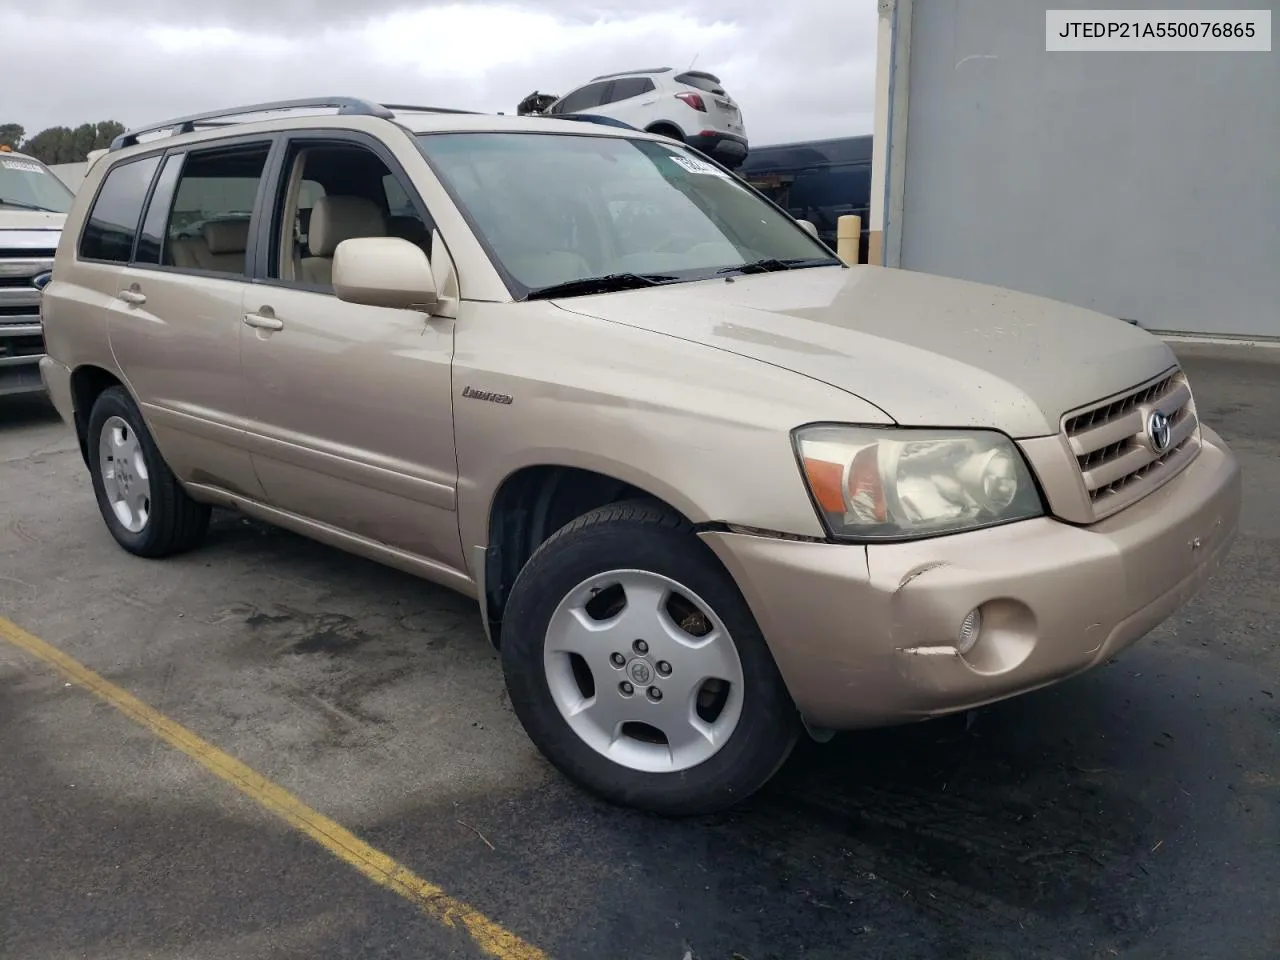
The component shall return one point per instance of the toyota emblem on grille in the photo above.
(1158, 431)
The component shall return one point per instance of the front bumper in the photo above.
(19, 376)
(21, 347)
(56, 380)
(864, 636)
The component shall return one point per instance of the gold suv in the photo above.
(711, 487)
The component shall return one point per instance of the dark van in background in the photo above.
(818, 180)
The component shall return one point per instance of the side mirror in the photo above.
(383, 272)
(809, 228)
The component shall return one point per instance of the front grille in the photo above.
(19, 295)
(1119, 461)
(21, 342)
(26, 346)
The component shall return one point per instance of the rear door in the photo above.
(631, 100)
(177, 335)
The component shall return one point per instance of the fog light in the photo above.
(969, 631)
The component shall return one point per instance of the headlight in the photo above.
(894, 483)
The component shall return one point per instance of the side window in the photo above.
(398, 202)
(403, 219)
(628, 87)
(333, 192)
(208, 227)
(583, 99)
(112, 224)
(309, 191)
(566, 103)
(151, 240)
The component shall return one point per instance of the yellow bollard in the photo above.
(848, 232)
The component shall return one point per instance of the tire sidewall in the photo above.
(767, 727)
(116, 403)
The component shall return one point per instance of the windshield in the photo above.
(29, 185)
(558, 208)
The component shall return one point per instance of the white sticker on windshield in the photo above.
(25, 165)
(694, 165)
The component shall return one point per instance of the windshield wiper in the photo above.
(770, 264)
(27, 206)
(606, 284)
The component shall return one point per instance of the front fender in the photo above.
(707, 431)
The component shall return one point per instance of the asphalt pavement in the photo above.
(1131, 812)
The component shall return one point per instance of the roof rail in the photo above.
(409, 107)
(627, 73)
(345, 105)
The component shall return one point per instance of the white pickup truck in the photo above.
(33, 206)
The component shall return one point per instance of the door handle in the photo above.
(134, 298)
(263, 321)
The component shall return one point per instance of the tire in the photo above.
(645, 549)
(170, 521)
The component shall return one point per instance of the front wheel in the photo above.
(637, 668)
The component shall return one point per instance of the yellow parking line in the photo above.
(489, 936)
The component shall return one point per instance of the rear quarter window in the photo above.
(112, 224)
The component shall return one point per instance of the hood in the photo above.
(29, 230)
(14, 219)
(927, 350)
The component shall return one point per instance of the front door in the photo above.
(351, 416)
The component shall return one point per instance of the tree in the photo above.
(11, 134)
(64, 145)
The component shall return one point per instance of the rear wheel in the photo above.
(637, 669)
(663, 130)
(144, 506)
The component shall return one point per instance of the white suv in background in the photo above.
(691, 107)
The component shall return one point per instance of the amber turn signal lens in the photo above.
(825, 480)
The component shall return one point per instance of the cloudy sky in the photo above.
(800, 69)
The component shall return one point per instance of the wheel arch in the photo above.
(533, 502)
(88, 382)
(666, 128)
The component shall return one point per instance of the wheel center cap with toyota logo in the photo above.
(640, 672)
(1159, 432)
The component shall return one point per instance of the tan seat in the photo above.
(334, 219)
(220, 247)
(184, 252)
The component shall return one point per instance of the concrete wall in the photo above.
(1145, 185)
(70, 173)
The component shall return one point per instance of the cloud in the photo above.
(795, 76)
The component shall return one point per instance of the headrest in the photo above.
(338, 218)
(226, 236)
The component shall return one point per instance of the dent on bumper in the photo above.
(866, 636)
